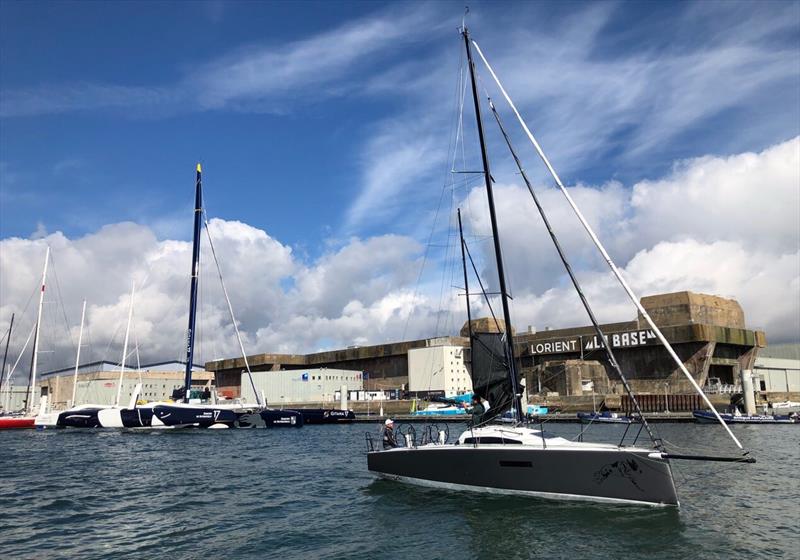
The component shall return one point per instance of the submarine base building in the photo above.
(707, 332)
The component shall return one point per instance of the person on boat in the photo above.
(389, 441)
(478, 409)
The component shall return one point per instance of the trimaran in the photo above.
(519, 459)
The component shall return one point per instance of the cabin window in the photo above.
(492, 439)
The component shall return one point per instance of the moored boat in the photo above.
(706, 417)
(604, 418)
(11, 421)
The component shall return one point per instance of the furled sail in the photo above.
(490, 373)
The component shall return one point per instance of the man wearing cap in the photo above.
(388, 434)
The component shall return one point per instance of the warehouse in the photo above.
(707, 332)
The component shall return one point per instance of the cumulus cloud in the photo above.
(719, 225)
(356, 294)
(728, 226)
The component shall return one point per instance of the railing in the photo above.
(406, 436)
(663, 403)
(725, 389)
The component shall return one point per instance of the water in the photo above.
(306, 493)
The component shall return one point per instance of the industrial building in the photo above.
(777, 369)
(708, 333)
(438, 369)
(97, 382)
(300, 386)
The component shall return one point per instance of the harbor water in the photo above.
(306, 493)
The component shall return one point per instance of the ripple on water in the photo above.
(301, 493)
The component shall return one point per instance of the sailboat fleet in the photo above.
(513, 458)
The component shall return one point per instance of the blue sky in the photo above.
(324, 127)
(107, 105)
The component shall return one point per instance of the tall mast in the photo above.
(78, 356)
(466, 282)
(509, 337)
(35, 359)
(124, 347)
(198, 211)
(5, 354)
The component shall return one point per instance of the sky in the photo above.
(328, 133)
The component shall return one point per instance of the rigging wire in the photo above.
(427, 255)
(605, 254)
(230, 309)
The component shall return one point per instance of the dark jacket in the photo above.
(477, 411)
(388, 438)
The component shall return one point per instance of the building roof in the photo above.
(105, 365)
(784, 351)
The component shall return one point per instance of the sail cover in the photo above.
(490, 373)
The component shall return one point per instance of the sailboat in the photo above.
(188, 412)
(90, 415)
(26, 418)
(518, 459)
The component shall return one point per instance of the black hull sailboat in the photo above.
(201, 416)
(571, 471)
(326, 415)
(518, 459)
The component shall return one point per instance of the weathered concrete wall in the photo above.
(385, 364)
(683, 308)
(705, 331)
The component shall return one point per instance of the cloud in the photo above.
(356, 294)
(686, 231)
(258, 78)
(728, 226)
(603, 105)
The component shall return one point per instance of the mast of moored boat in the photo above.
(35, 359)
(5, 354)
(78, 356)
(508, 335)
(466, 282)
(125, 347)
(198, 210)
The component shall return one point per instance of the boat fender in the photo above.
(218, 427)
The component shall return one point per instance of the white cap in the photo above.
(389, 421)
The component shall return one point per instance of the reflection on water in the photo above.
(295, 493)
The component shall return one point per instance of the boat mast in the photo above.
(35, 360)
(124, 347)
(78, 357)
(5, 354)
(198, 211)
(466, 282)
(509, 338)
